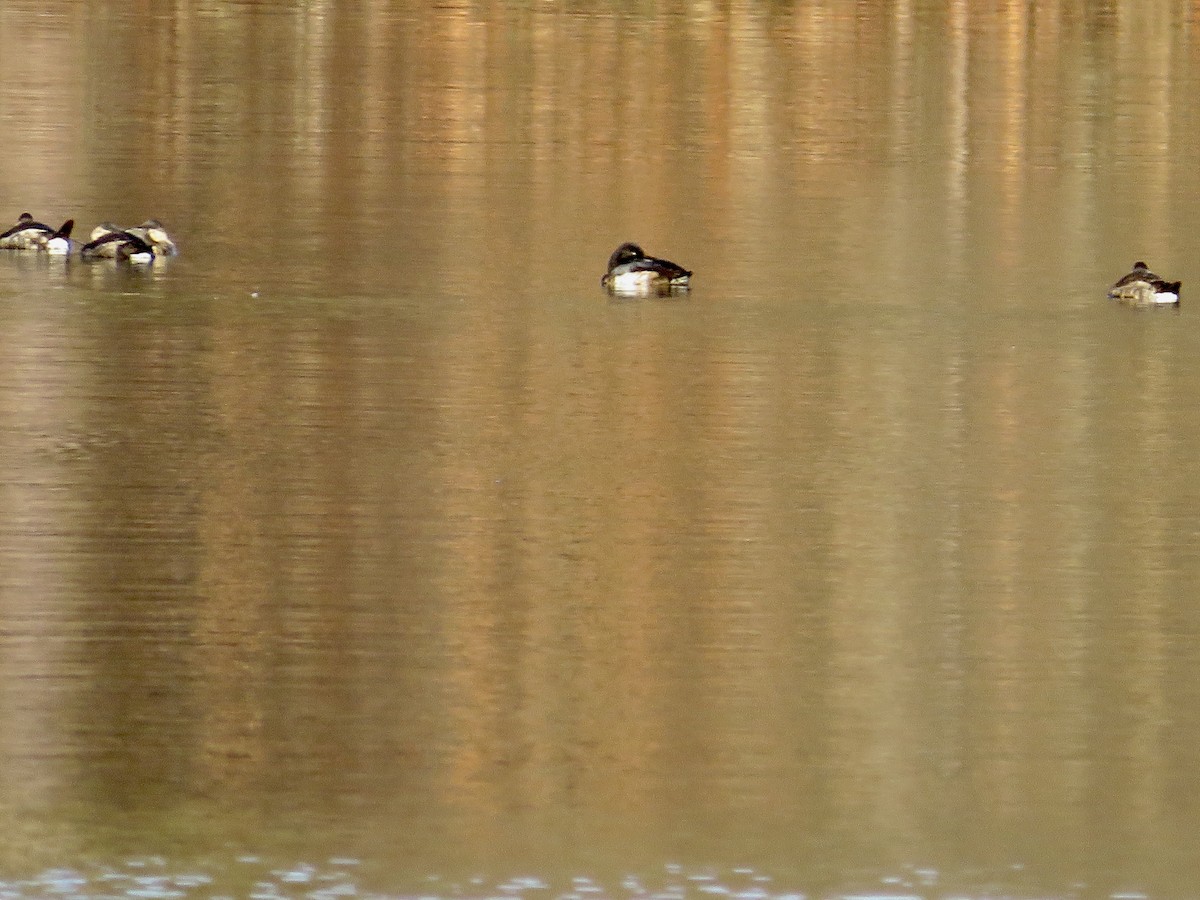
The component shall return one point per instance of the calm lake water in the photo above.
(368, 548)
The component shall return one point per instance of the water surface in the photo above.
(368, 547)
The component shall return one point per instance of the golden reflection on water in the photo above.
(370, 525)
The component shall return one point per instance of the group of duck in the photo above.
(138, 245)
(631, 272)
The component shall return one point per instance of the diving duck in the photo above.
(110, 242)
(1141, 287)
(29, 234)
(631, 271)
(150, 232)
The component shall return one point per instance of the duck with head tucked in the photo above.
(110, 242)
(632, 272)
(151, 233)
(1141, 287)
(29, 234)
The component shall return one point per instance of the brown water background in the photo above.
(368, 546)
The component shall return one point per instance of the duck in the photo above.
(631, 271)
(1141, 287)
(29, 234)
(102, 229)
(109, 242)
(150, 232)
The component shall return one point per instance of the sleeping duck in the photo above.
(110, 242)
(631, 271)
(1141, 287)
(150, 232)
(29, 234)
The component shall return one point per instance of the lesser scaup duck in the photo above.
(631, 271)
(104, 228)
(1143, 288)
(109, 242)
(29, 234)
(152, 232)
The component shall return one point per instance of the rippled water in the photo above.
(368, 548)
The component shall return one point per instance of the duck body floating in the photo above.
(1141, 287)
(109, 242)
(632, 272)
(29, 234)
